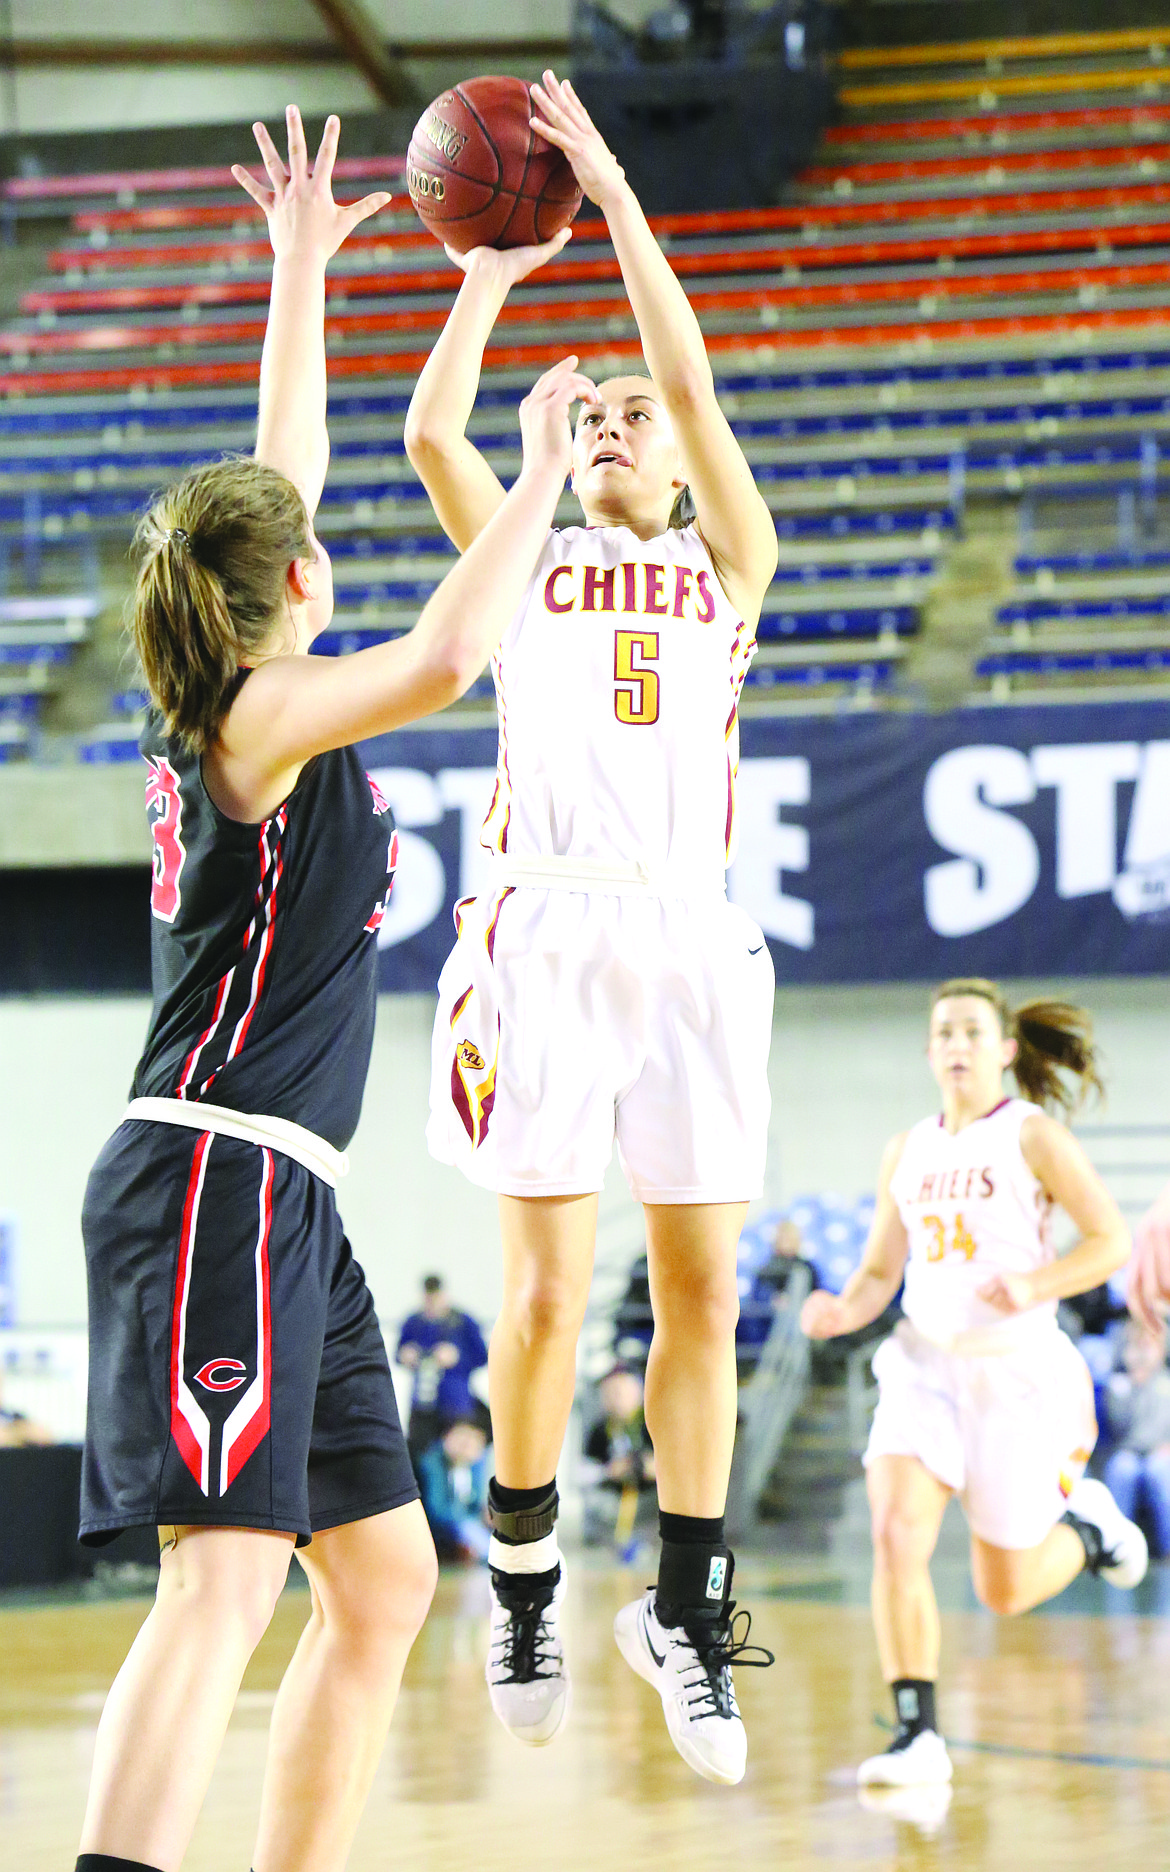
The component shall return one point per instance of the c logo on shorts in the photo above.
(208, 1378)
(470, 1056)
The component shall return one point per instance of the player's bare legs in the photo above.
(532, 1357)
(166, 1715)
(691, 1395)
(907, 1504)
(532, 1366)
(372, 1582)
(1010, 1580)
(679, 1636)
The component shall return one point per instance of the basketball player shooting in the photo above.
(981, 1394)
(601, 985)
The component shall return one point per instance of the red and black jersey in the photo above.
(263, 941)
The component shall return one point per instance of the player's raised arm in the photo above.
(870, 1288)
(296, 706)
(733, 517)
(306, 227)
(464, 489)
(1060, 1166)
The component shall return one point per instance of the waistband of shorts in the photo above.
(278, 1134)
(550, 871)
(991, 1341)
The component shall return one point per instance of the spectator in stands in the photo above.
(442, 1347)
(769, 1289)
(633, 1320)
(619, 1459)
(453, 1477)
(1137, 1407)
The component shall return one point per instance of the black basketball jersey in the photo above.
(263, 941)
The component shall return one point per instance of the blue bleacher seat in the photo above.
(856, 621)
(1071, 662)
(1042, 610)
(809, 675)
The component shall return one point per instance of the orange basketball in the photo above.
(479, 176)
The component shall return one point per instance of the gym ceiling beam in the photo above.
(353, 29)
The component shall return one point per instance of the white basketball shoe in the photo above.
(527, 1680)
(1125, 1555)
(690, 1667)
(910, 1761)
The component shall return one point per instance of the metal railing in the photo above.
(768, 1404)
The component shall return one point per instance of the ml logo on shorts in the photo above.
(470, 1056)
(716, 1577)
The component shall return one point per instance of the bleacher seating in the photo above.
(963, 301)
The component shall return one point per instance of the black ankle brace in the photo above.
(1090, 1539)
(692, 1578)
(516, 1526)
(102, 1862)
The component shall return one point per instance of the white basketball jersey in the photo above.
(971, 1208)
(618, 684)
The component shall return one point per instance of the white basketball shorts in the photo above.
(568, 1018)
(1011, 1434)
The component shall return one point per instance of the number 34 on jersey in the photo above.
(957, 1239)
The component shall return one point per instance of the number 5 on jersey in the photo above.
(635, 695)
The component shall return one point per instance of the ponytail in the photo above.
(213, 556)
(1054, 1045)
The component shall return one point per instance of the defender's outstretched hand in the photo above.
(300, 210)
(564, 121)
(544, 415)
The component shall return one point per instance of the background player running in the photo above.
(980, 1392)
(239, 1389)
(602, 984)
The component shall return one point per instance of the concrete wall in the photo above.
(847, 1070)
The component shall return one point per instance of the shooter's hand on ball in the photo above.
(1008, 1293)
(562, 119)
(1149, 1268)
(302, 216)
(544, 416)
(505, 266)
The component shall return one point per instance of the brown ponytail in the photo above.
(1054, 1042)
(213, 555)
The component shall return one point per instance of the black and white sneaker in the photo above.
(526, 1676)
(690, 1667)
(1125, 1556)
(917, 1759)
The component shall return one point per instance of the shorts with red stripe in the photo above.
(237, 1373)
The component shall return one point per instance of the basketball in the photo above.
(479, 176)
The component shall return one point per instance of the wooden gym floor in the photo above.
(1059, 1725)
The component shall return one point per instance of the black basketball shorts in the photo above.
(237, 1373)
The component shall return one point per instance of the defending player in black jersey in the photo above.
(240, 1396)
